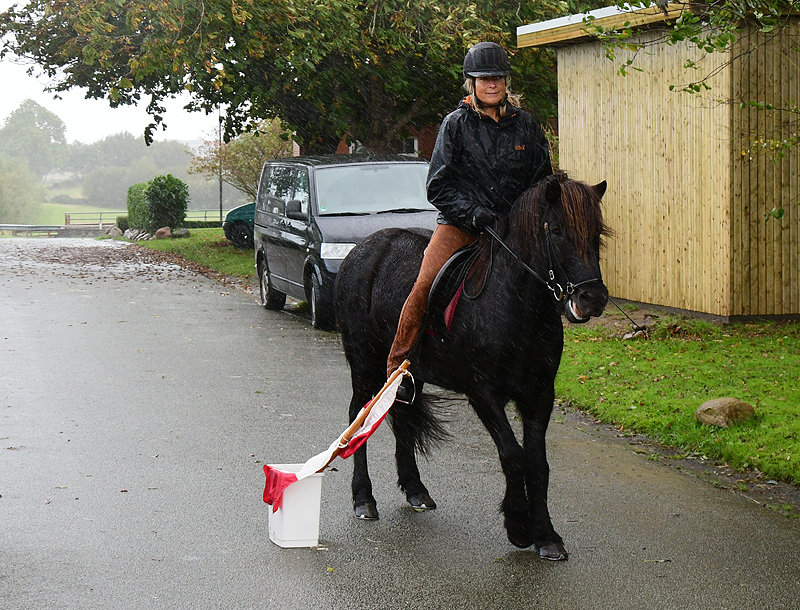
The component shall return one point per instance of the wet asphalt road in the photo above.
(139, 401)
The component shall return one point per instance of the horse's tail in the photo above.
(422, 422)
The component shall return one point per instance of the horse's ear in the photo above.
(600, 189)
(552, 193)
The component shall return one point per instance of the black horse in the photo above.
(504, 344)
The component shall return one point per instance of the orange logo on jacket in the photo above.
(519, 147)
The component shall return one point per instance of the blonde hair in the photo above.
(513, 98)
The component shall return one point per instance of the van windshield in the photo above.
(372, 188)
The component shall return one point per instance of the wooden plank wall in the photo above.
(666, 156)
(766, 253)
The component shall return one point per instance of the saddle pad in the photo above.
(447, 286)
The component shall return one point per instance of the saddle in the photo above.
(448, 286)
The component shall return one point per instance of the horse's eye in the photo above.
(556, 230)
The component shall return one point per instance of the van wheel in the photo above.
(270, 298)
(321, 311)
(241, 235)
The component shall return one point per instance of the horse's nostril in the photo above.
(593, 300)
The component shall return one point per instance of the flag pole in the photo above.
(362, 415)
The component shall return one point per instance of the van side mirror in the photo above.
(293, 210)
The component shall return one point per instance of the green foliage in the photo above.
(137, 217)
(166, 200)
(106, 187)
(742, 29)
(35, 135)
(243, 157)
(552, 140)
(126, 150)
(20, 193)
(122, 223)
(710, 26)
(104, 169)
(200, 224)
(371, 69)
(655, 386)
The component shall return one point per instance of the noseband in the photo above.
(558, 291)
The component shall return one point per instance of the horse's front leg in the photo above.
(364, 504)
(537, 477)
(515, 507)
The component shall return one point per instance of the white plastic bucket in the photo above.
(296, 522)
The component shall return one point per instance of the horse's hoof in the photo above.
(421, 502)
(553, 552)
(368, 511)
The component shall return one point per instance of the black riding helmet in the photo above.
(486, 59)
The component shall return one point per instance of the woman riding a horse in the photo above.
(487, 153)
(505, 340)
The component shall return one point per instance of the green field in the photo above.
(53, 213)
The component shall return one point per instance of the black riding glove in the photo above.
(482, 218)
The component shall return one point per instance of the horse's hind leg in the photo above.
(406, 421)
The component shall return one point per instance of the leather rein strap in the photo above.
(558, 291)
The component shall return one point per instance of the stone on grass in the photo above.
(723, 412)
(164, 233)
(637, 333)
(115, 231)
(181, 232)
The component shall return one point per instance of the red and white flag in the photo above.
(344, 446)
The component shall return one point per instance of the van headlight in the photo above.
(335, 251)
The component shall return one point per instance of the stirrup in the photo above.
(407, 390)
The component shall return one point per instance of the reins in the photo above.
(636, 327)
(551, 283)
(555, 287)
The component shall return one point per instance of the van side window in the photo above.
(301, 192)
(281, 182)
(263, 190)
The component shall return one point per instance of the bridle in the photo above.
(559, 292)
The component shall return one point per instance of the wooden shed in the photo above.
(692, 177)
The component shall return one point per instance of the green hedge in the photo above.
(161, 202)
(166, 201)
(137, 218)
(202, 224)
(122, 223)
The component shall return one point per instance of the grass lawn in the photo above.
(210, 248)
(651, 386)
(654, 386)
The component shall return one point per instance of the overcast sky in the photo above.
(91, 120)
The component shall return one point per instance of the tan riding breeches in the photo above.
(445, 241)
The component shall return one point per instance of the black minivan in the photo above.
(311, 211)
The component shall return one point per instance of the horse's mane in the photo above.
(579, 213)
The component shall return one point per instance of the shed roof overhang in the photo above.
(577, 28)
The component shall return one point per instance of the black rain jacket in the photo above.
(479, 162)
